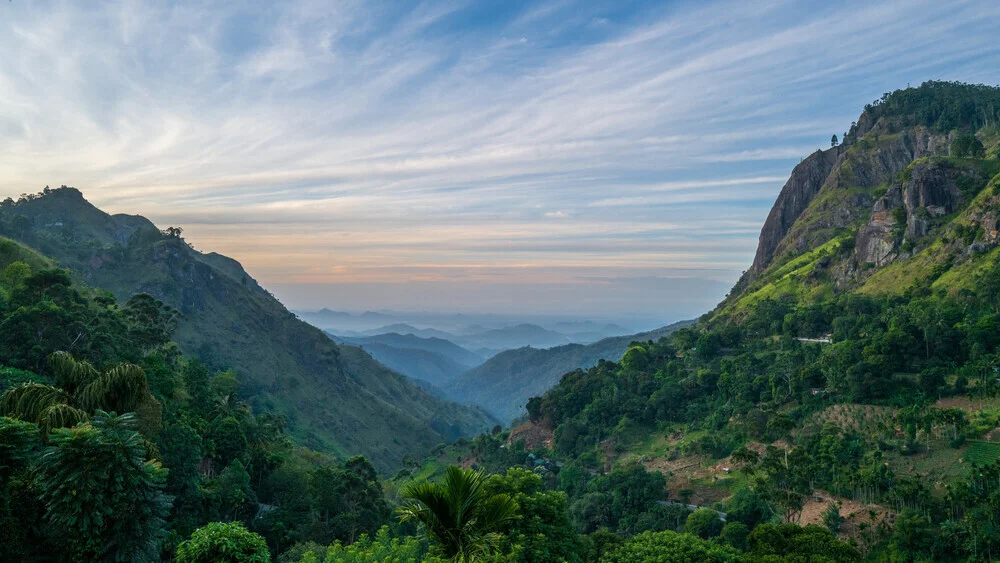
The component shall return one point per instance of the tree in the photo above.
(151, 323)
(20, 512)
(748, 507)
(619, 499)
(459, 514)
(670, 547)
(103, 499)
(932, 380)
(347, 500)
(230, 495)
(967, 145)
(542, 530)
(13, 276)
(221, 542)
(172, 232)
(912, 536)
(745, 460)
(834, 140)
(797, 543)
(81, 390)
(734, 534)
(832, 518)
(703, 523)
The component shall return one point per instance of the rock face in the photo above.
(987, 216)
(806, 180)
(876, 159)
(907, 211)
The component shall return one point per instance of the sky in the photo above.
(577, 158)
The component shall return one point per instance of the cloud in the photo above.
(369, 141)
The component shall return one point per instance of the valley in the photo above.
(479, 312)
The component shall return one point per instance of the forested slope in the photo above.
(335, 398)
(855, 361)
(503, 384)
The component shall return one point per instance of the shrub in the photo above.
(703, 523)
(221, 542)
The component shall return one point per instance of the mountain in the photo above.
(431, 360)
(891, 207)
(324, 318)
(445, 348)
(405, 329)
(607, 329)
(849, 378)
(504, 383)
(337, 398)
(515, 336)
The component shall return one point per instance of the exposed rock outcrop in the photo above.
(806, 180)
(876, 159)
(907, 211)
(987, 216)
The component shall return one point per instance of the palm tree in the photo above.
(80, 389)
(459, 514)
(101, 493)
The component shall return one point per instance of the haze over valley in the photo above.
(499, 282)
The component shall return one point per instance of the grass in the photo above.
(940, 465)
(790, 278)
(11, 251)
(895, 278)
(982, 453)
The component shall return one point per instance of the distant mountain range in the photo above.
(548, 331)
(503, 383)
(434, 360)
(480, 340)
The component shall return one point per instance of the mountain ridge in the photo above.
(503, 384)
(337, 399)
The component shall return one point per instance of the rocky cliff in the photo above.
(890, 206)
(796, 195)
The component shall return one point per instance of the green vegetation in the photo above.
(943, 106)
(505, 382)
(461, 515)
(219, 542)
(334, 399)
(827, 411)
(115, 446)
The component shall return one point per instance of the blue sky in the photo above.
(593, 158)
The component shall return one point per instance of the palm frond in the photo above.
(29, 400)
(60, 415)
(497, 510)
(459, 513)
(71, 374)
(122, 388)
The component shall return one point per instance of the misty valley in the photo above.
(540, 282)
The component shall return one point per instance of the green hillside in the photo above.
(336, 399)
(854, 364)
(505, 382)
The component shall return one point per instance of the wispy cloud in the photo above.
(360, 142)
